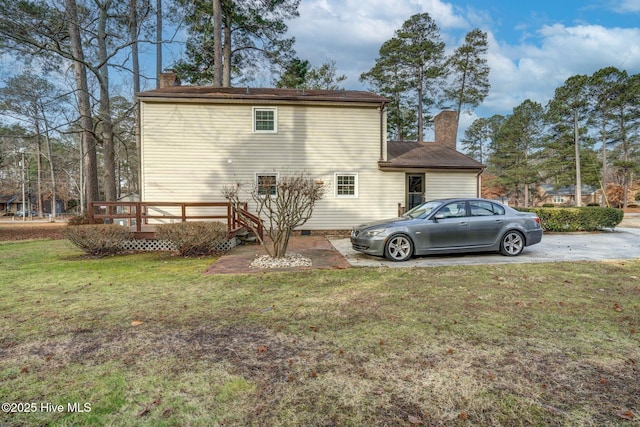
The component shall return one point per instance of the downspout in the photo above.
(139, 143)
(479, 183)
(382, 130)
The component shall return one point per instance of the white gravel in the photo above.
(287, 261)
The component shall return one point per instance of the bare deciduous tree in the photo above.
(283, 204)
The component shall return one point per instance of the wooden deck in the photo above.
(143, 216)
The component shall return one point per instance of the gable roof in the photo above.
(7, 198)
(426, 155)
(264, 94)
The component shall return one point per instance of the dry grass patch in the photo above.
(26, 230)
(148, 339)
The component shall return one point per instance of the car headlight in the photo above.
(373, 232)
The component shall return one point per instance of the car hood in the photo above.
(391, 222)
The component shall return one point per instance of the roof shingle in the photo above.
(426, 155)
(209, 92)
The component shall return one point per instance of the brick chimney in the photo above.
(168, 79)
(445, 128)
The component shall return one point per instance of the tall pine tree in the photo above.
(409, 70)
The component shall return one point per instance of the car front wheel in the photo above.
(399, 248)
(512, 244)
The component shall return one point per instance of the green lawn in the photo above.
(148, 339)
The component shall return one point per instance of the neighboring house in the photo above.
(10, 204)
(6, 203)
(196, 140)
(565, 196)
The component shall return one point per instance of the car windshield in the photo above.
(422, 210)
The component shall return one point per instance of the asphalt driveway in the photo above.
(618, 244)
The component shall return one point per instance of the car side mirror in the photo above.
(439, 216)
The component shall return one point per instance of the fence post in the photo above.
(91, 221)
(138, 216)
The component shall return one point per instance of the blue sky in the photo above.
(534, 46)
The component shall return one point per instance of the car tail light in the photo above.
(536, 219)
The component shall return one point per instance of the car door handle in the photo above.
(463, 223)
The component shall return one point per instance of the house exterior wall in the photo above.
(190, 151)
(443, 184)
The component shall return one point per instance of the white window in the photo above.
(265, 120)
(346, 185)
(558, 199)
(266, 183)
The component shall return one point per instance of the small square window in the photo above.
(265, 120)
(346, 185)
(266, 183)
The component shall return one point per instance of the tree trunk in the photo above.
(158, 42)
(603, 184)
(420, 137)
(90, 161)
(38, 161)
(54, 199)
(39, 178)
(110, 190)
(576, 140)
(135, 60)
(226, 52)
(217, 43)
(463, 87)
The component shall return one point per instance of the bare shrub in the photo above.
(284, 205)
(98, 239)
(193, 238)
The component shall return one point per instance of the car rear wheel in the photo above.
(399, 248)
(512, 244)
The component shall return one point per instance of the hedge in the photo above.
(588, 218)
(98, 239)
(193, 238)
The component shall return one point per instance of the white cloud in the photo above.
(534, 71)
(531, 67)
(628, 6)
(352, 31)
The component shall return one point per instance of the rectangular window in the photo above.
(346, 185)
(266, 184)
(481, 208)
(265, 120)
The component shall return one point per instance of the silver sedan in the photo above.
(449, 226)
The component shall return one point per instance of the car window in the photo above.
(422, 210)
(453, 210)
(482, 208)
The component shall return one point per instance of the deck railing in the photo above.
(138, 214)
(244, 218)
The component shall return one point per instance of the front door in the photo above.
(415, 190)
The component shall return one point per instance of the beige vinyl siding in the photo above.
(190, 151)
(440, 185)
